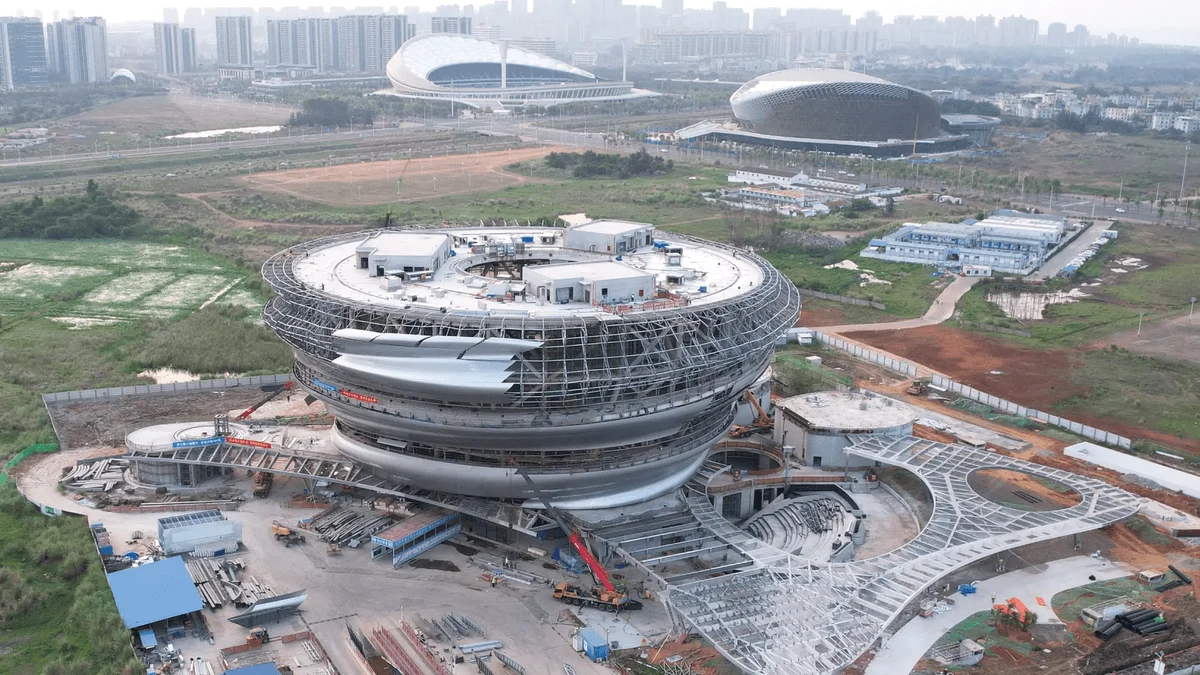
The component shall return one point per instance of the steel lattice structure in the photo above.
(779, 614)
(602, 406)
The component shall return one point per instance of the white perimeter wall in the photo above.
(1172, 479)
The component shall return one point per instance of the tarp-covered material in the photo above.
(154, 592)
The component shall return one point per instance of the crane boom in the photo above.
(577, 542)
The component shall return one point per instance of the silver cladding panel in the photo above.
(614, 406)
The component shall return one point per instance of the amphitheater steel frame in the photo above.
(602, 408)
(779, 614)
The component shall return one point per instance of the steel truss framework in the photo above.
(343, 472)
(682, 365)
(779, 614)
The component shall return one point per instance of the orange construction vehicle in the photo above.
(763, 423)
(608, 598)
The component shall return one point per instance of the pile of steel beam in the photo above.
(219, 580)
(343, 526)
(101, 476)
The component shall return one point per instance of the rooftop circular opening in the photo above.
(1022, 491)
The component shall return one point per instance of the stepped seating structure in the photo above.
(775, 613)
(805, 526)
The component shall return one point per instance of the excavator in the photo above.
(608, 599)
(763, 423)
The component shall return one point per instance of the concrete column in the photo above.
(503, 64)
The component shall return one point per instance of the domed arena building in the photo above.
(493, 75)
(827, 110)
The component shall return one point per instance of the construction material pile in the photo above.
(342, 526)
(98, 476)
(221, 580)
(450, 628)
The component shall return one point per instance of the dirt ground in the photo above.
(1175, 339)
(106, 421)
(1034, 377)
(1000, 486)
(376, 183)
(149, 115)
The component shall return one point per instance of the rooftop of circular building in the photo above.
(842, 411)
(602, 359)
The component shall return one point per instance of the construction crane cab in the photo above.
(597, 598)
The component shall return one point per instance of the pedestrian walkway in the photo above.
(910, 643)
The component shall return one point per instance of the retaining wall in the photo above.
(840, 298)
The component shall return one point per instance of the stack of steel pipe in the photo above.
(339, 526)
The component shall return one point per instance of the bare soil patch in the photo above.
(105, 421)
(1021, 490)
(1032, 377)
(419, 178)
(150, 115)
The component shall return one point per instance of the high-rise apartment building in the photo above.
(172, 53)
(357, 43)
(451, 24)
(22, 53)
(187, 41)
(368, 41)
(78, 49)
(233, 41)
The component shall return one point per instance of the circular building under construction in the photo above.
(602, 362)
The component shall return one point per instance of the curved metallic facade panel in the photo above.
(577, 490)
(835, 105)
(616, 404)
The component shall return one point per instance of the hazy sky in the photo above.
(1177, 21)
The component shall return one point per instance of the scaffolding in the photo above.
(681, 363)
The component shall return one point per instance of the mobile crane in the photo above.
(608, 599)
(762, 421)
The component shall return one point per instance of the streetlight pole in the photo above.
(1183, 181)
(1192, 310)
(1140, 315)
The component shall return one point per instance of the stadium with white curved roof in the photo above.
(487, 74)
(829, 110)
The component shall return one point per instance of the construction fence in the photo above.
(846, 300)
(33, 449)
(173, 388)
(1008, 407)
(860, 352)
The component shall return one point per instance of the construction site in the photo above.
(571, 451)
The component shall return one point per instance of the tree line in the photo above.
(591, 164)
(90, 215)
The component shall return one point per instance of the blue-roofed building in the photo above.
(259, 669)
(154, 592)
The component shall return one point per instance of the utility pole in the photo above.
(1183, 181)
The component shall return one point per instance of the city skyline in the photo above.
(1104, 16)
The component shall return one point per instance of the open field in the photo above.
(400, 180)
(80, 283)
(1115, 390)
(1086, 162)
(157, 116)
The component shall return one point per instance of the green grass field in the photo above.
(57, 615)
